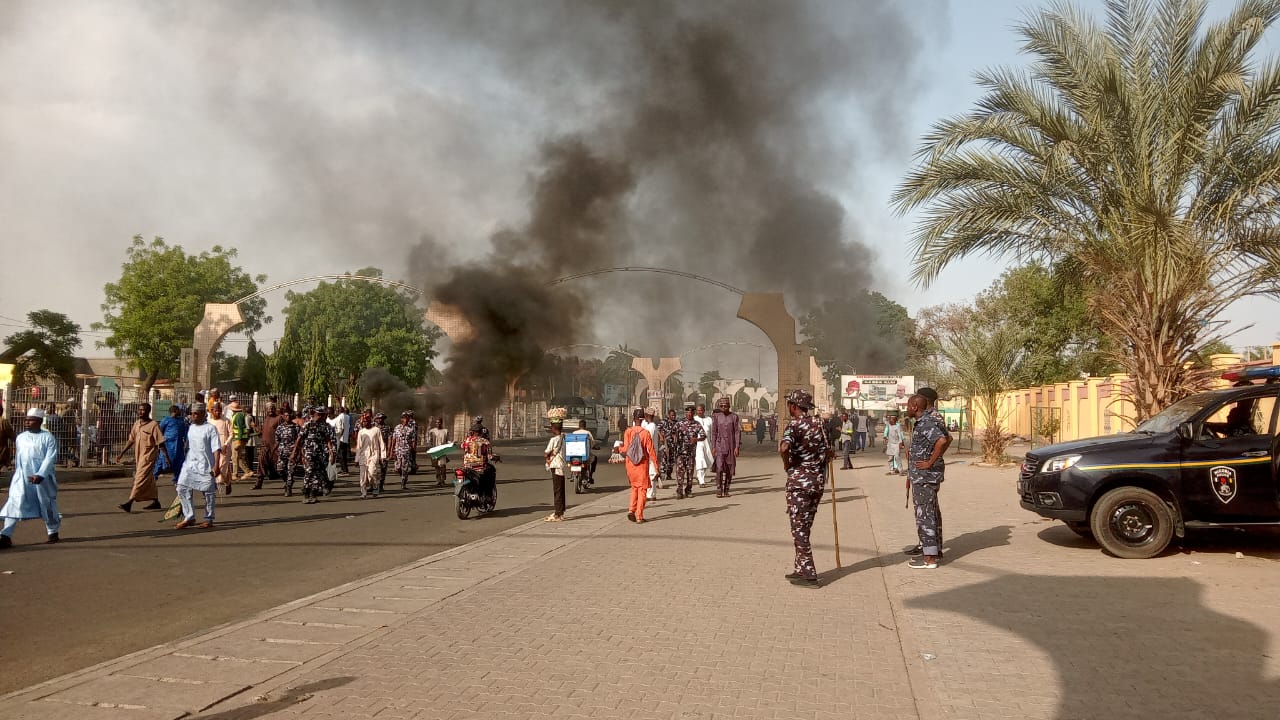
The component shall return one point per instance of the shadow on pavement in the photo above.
(288, 698)
(169, 531)
(956, 548)
(688, 513)
(1127, 647)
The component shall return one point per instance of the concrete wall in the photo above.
(1083, 408)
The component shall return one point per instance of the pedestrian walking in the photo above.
(438, 435)
(804, 453)
(380, 422)
(148, 443)
(200, 469)
(555, 463)
(287, 434)
(655, 479)
(402, 445)
(7, 437)
(268, 449)
(773, 428)
(846, 439)
(637, 450)
(687, 434)
(760, 429)
(925, 473)
(726, 439)
(223, 425)
(370, 452)
(242, 428)
(893, 444)
(667, 451)
(339, 423)
(174, 428)
(861, 444)
(33, 489)
(704, 460)
(314, 450)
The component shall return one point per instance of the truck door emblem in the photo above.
(1224, 482)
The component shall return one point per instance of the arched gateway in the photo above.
(767, 311)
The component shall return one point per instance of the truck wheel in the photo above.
(1080, 528)
(1132, 523)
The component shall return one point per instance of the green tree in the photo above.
(869, 335)
(986, 362)
(153, 309)
(1061, 337)
(339, 329)
(1143, 157)
(44, 350)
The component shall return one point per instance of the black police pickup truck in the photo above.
(1207, 460)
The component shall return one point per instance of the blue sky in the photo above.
(980, 35)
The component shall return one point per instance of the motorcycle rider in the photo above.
(476, 451)
(591, 443)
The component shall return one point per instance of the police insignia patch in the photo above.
(1224, 482)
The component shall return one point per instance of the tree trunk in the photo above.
(147, 383)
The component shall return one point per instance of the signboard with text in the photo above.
(876, 392)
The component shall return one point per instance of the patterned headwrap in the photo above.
(800, 398)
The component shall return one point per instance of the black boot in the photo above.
(155, 505)
(126, 506)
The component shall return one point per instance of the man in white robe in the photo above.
(200, 468)
(33, 491)
(702, 455)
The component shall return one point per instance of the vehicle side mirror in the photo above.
(1186, 432)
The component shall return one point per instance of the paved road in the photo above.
(122, 582)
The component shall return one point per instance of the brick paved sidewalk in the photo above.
(687, 616)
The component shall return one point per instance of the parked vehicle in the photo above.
(1209, 460)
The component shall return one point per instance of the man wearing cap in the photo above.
(688, 433)
(314, 450)
(804, 452)
(148, 442)
(704, 460)
(652, 427)
(33, 491)
(339, 421)
(638, 471)
(726, 438)
(929, 440)
(200, 469)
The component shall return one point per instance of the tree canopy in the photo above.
(336, 331)
(1143, 155)
(153, 309)
(44, 350)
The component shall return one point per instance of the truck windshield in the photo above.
(1177, 413)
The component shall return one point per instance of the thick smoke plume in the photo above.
(389, 393)
(709, 154)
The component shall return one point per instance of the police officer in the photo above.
(804, 454)
(929, 440)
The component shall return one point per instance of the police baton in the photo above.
(835, 520)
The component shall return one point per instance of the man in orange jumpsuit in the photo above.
(637, 453)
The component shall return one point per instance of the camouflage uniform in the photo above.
(287, 434)
(686, 436)
(806, 481)
(668, 452)
(926, 483)
(316, 438)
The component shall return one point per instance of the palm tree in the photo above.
(984, 364)
(1143, 156)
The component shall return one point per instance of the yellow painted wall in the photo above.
(1084, 408)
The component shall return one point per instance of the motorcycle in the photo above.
(470, 492)
(577, 453)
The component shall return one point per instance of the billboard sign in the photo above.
(876, 392)
(615, 395)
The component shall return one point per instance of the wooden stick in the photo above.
(835, 520)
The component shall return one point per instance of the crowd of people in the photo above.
(203, 448)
